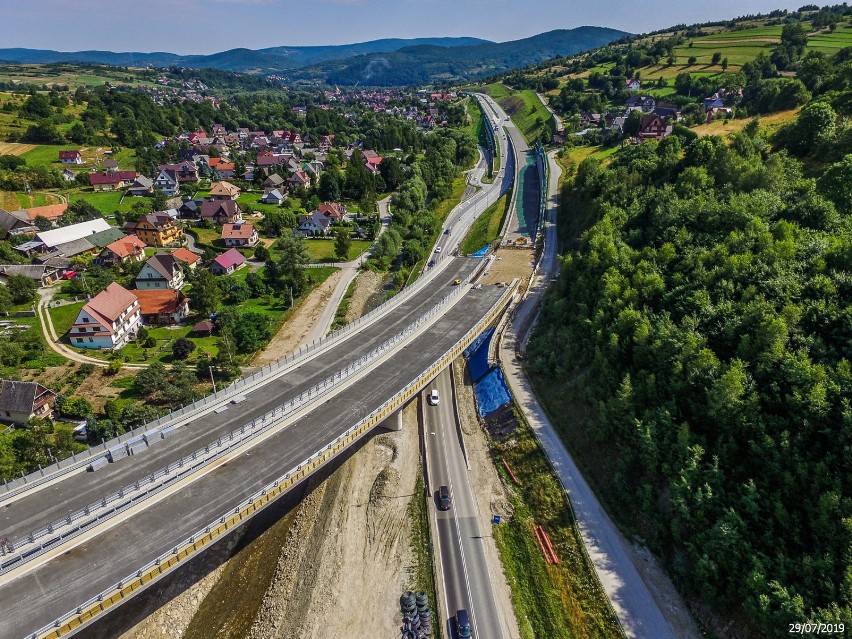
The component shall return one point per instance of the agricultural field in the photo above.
(12, 200)
(71, 75)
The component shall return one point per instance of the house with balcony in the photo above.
(108, 321)
(161, 271)
(224, 191)
(21, 401)
(163, 307)
(221, 212)
(156, 229)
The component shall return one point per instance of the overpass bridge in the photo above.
(90, 535)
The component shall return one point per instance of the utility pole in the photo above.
(210, 368)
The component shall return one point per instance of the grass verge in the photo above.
(486, 228)
(423, 574)
(564, 601)
(343, 307)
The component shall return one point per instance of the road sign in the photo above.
(496, 519)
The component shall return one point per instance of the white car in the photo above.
(433, 397)
(438, 249)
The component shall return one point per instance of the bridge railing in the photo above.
(190, 546)
(38, 542)
(190, 411)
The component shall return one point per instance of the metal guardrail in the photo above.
(41, 541)
(94, 607)
(190, 411)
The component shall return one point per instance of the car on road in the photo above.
(444, 501)
(434, 399)
(446, 231)
(438, 249)
(456, 282)
(431, 263)
(463, 624)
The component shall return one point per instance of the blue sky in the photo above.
(207, 26)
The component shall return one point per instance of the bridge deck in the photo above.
(45, 593)
(50, 504)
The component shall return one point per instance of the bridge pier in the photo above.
(393, 421)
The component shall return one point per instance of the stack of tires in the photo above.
(416, 615)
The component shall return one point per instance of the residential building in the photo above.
(127, 249)
(313, 225)
(166, 181)
(243, 235)
(111, 181)
(16, 223)
(68, 175)
(110, 165)
(221, 211)
(184, 172)
(299, 179)
(21, 401)
(161, 271)
(51, 212)
(70, 157)
(162, 308)
(654, 127)
(108, 320)
(632, 84)
(274, 181)
(224, 191)
(156, 229)
(227, 262)
(39, 273)
(141, 187)
(335, 211)
(187, 258)
(272, 196)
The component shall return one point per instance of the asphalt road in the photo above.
(38, 509)
(460, 545)
(50, 590)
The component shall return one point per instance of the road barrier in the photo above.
(15, 554)
(165, 563)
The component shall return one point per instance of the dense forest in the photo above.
(709, 297)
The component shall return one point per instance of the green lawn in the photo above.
(486, 229)
(45, 154)
(497, 90)
(322, 250)
(528, 114)
(253, 200)
(107, 202)
(63, 317)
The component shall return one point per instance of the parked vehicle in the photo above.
(444, 498)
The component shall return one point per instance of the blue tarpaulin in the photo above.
(491, 393)
(481, 252)
(477, 355)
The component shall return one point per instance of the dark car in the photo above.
(462, 624)
(444, 498)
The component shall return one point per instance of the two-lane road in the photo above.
(460, 544)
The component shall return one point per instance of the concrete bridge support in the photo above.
(394, 420)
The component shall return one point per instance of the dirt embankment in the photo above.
(368, 293)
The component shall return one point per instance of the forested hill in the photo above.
(427, 64)
(696, 354)
(272, 59)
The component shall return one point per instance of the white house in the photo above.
(108, 320)
(167, 182)
(161, 271)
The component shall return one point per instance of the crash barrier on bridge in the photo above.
(542, 166)
(186, 413)
(15, 554)
(477, 356)
(186, 549)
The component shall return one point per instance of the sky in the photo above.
(208, 26)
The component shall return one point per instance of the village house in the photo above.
(16, 223)
(70, 157)
(224, 191)
(156, 229)
(224, 168)
(335, 211)
(51, 212)
(21, 401)
(42, 275)
(221, 212)
(102, 239)
(166, 181)
(272, 196)
(111, 181)
(641, 103)
(68, 175)
(163, 308)
(314, 225)
(110, 165)
(632, 84)
(142, 186)
(161, 271)
(51, 239)
(274, 181)
(227, 262)
(187, 258)
(108, 320)
(299, 179)
(654, 127)
(127, 249)
(242, 235)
